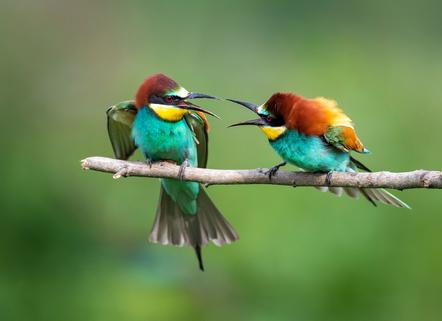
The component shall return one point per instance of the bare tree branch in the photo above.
(404, 180)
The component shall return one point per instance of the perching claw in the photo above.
(273, 170)
(182, 169)
(328, 178)
(148, 162)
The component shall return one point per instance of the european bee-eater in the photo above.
(315, 135)
(165, 126)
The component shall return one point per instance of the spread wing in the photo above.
(340, 131)
(199, 126)
(119, 126)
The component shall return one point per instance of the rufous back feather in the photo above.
(313, 117)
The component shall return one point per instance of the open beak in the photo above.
(254, 122)
(246, 104)
(199, 95)
(190, 106)
(252, 107)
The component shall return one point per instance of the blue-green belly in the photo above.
(310, 152)
(162, 140)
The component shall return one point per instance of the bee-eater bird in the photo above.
(165, 126)
(315, 135)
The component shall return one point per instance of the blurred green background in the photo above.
(73, 244)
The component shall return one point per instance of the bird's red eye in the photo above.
(269, 119)
(168, 99)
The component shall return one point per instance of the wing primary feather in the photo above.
(359, 165)
(119, 125)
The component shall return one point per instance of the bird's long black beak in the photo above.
(190, 106)
(246, 104)
(253, 122)
(199, 95)
(252, 107)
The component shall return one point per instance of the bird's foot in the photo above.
(149, 162)
(328, 178)
(272, 171)
(183, 169)
(294, 183)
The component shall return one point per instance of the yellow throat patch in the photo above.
(168, 112)
(273, 133)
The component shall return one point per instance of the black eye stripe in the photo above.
(156, 99)
(171, 99)
(272, 120)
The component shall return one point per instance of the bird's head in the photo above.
(167, 98)
(273, 114)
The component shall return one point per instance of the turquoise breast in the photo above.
(310, 152)
(162, 140)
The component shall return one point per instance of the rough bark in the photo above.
(400, 181)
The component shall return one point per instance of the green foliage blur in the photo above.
(73, 244)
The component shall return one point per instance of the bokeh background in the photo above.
(73, 244)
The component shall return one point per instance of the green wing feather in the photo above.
(198, 127)
(119, 127)
(334, 137)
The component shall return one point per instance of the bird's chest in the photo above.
(163, 140)
(310, 152)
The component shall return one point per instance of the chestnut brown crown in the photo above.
(157, 84)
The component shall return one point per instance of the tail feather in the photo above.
(336, 190)
(199, 256)
(173, 227)
(385, 197)
(167, 229)
(370, 199)
(371, 194)
(212, 223)
(352, 192)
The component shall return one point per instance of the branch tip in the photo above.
(83, 163)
